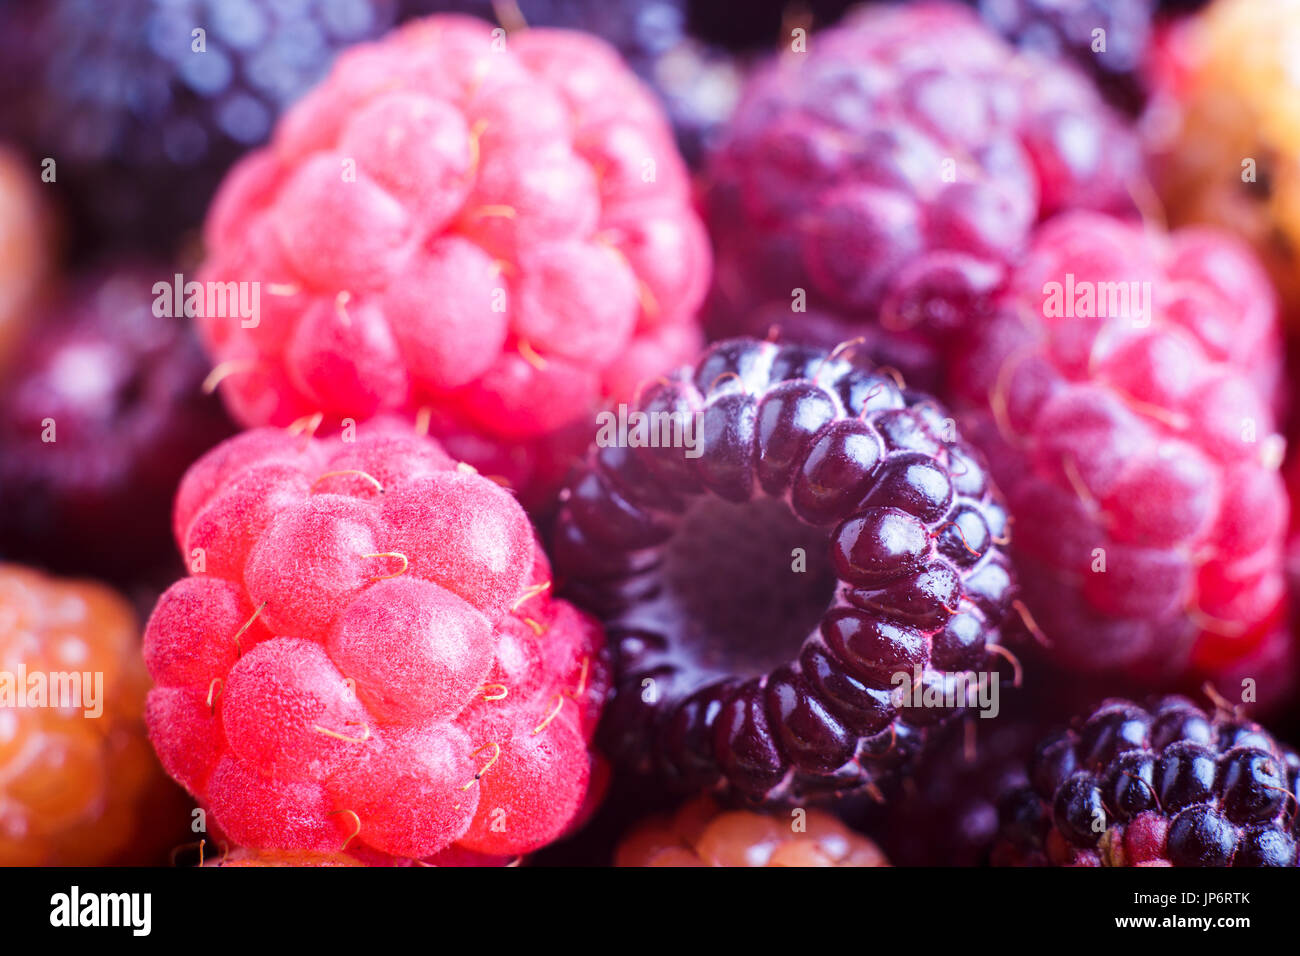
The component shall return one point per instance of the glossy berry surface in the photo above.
(1164, 785)
(532, 191)
(26, 253)
(764, 593)
(103, 412)
(1224, 128)
(701, 833)
(78, 782)
(141, 115)
(366, 654)
(1136, 443)
(878, 183)
(1068, 29)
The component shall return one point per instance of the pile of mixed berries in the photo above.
(457, 433)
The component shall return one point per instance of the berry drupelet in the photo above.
(879, 183)
(1123, 390)
(532, 191)
(765, 590)
(701, 833)
(366, 655)
(1163, 785)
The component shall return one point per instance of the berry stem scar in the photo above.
(1017, 672)
(247, 624)
(350, 471)
(530, 355)
(214, 692)
(365, 734)
(224, 369)
(529, 593)
(355, 833)
(496, 753)
(389, 554)
(952, 524)
(1030, 623)
(555, 710)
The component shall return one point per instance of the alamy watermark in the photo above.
(193, 299)
(1098, 300)
(67, 690)
(965, 690)
(638, 429)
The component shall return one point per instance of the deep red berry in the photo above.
(766, 583)
(367, 655)
(1123, 393)
(877, 183)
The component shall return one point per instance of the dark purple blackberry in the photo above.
(103, 412)
(886, 180)
(944, 811)
(1066, 29)
(640, 30)
(762, 24)
(762, 596)
(141, 125)
(1168, 784)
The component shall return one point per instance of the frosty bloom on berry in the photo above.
(1163, 785)
(1138, 453)
(367, 655)
(498, 236)
(762, 597)
(881, 181)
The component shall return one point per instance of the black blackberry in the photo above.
(141, 122)
(1167, 783)
(760, 24)
(103, 414)
(1069, 29)
(763, 592)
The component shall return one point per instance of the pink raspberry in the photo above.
(496, 232)
(883, 179)
(1136, 445)
(366, 654)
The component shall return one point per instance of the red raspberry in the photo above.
(517, 243)
(890, 173)
(1137, 452)
(366, 654)
(76, 788)
(700, 833)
